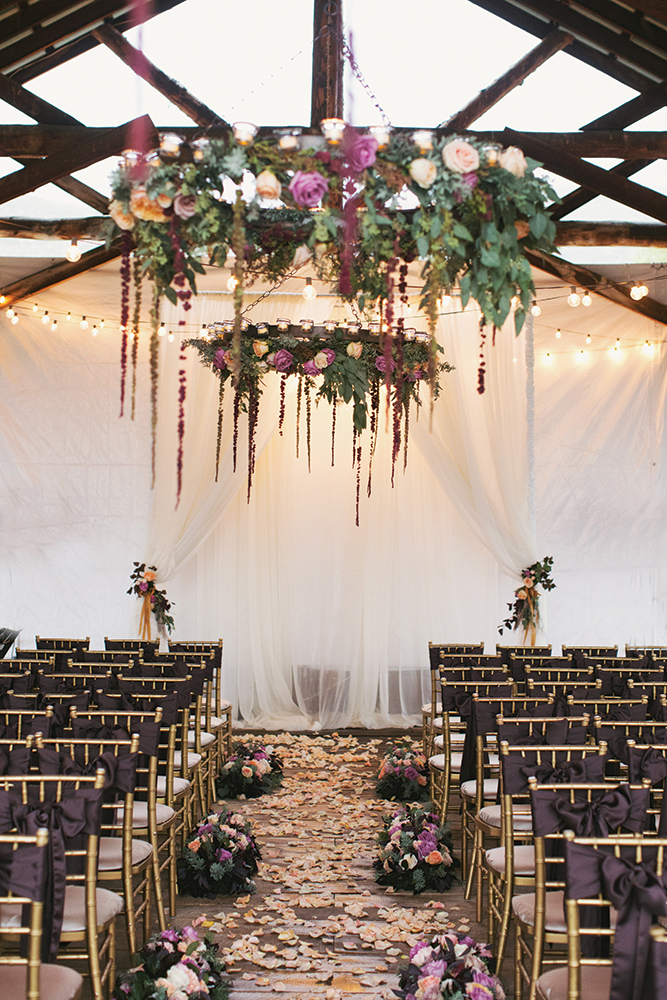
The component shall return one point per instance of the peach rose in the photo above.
(149, 575)
(421, 780)
(246, 772)
(123, 219)
(512, 159)
(428, 988)
(434, 858)
(194, 845)
(260, 347)
(164, 200)
(144, 207)
(460, 157)
(423, 172)
(321, 360)
(354, 349)
(268, 185)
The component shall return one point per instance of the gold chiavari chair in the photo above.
(589, 650)
(61, 645)
(438, 655)
(23, 975)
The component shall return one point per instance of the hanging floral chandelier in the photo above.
(343, 196)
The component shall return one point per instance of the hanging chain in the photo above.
(272, 289)
(354, 66)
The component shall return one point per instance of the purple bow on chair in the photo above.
(621, 808)
(639, 895)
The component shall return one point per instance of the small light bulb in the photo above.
(573, 299)
(10, 312)
(15, 319)
(162, 329)
(94, 331)
(558, 334)
(73, 252)
(644, 288)
(581, 355)
(636, 292)
(101, 324)
(232, 282)
(54, 325)
(535, 309)
(68, 318)
(309, 293)
(648, 347)
(46, 318)
(35, 308)
(618, 344)
(84, 323)
(514, 302)
(588, 338)
(586, 299)
(171, 338)
(3, 299)
(547, 358)
(446, 301)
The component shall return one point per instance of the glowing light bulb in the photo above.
(535, 309)
(636, 292)
(73, 252)
(446, 301)
(558, 334)
(618, 344)
(588, 338)
(581, 356)
(54, 325)
(3, 299)
(309, 292)
(46, 319)
(10, 313)
(35, 308)
(573, 299)
(644, 288)
(648, 347)
(101, 324)
(232, 282)
(15, 319)
(586, 299)
(170, 338)
(68, 318)
(547, 358)
(203, 333)
(162, 329)
(84, 323)
(514, 301)
(94, 331)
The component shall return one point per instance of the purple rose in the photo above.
(425, 846)
(435, 968)
(223, 855)
(143, 586)
(360, 153)
(470, 181)
(388, 769)
(184, 205)
(169, 935)
(283, 360)
(414, 376)
(308, 189)
(310, 368)
(206, 828)
(381, 364)
(331, 354)
(220, 359)
(476, 992)
(411, 774)
(483, 979)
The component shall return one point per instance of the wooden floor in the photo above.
(317, 925)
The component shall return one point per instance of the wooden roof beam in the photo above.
(554, 42)
(64, 161)
(604, 182)
(609, 234)
(92, 228)
(60, 271)
(148, 71)
(575, 274)
(328, 66)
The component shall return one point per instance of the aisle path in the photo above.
(317, 925)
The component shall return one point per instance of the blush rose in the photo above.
(460, 157)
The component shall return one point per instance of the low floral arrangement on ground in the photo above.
(176, 964)
(220, 857)
(526, 605)
(251, 771)
(414, 852)
(154, 600)
(403, 775)
(451, 967)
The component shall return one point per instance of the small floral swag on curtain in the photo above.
(144, 587)
(479, 207)
(526, 605)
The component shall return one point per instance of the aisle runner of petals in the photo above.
(317, 837)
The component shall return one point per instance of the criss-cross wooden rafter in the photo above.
(627, 41)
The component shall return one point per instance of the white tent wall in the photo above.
(297, 591)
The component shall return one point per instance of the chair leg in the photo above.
(130, 927)
(503, 930)
(473, 857)
(518, 958)
(479, 875)
(157, 887)
(172, 871)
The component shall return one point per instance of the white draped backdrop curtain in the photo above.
(326, 624)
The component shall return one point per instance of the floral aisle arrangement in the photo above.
(451, 967)
(403, 775)
(220, 857)
(177, 964)
(251, 771)
(477, 208)
(414, 852)
(145, 587)
(525, 607)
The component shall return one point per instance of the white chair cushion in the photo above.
(426, 708)
(595, 983)
(140, 815)
(193, 759)
(523, 908)
(491, 816)
(225, 705)
(206, 739)
(111, 853)
(524, 859)
(438, 762)
(56, 982)
(469, 788)
(215, 722)
(180, 785)
(109, 905)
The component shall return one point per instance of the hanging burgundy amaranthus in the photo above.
(218, 439)
(136, 316)
(125, 272)
(181, 428)
(155, 367)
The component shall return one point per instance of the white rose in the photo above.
(268, 185)
(521, 595)
(354, 349)
(528, 582)
(410, 860)
(269, 750)
(423, 172)
(512, 159)
(422, 956)
(178, 976)
(460, 157)
(321, 360)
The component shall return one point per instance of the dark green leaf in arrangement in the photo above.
(538, 224)
(171, 295)
(462, 232)
(422, 246)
